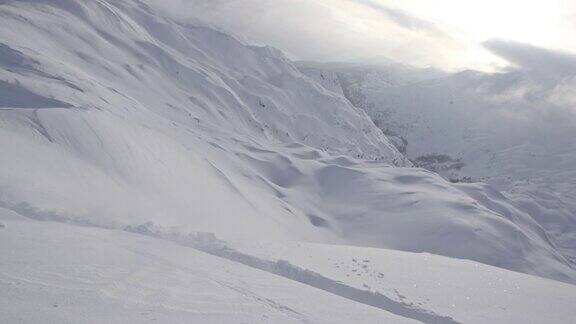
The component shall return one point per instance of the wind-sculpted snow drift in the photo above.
(134, 118)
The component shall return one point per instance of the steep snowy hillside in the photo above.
(142, 110)
(513, 130)
(114, 116)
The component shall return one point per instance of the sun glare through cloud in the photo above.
(445, 34)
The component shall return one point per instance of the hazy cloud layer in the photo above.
(326, 30)
(449, 36)
(547, 86)
(403, 19)
(539, 60)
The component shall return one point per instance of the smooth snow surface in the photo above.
(54, 272)
(117, 277)
(465, 291)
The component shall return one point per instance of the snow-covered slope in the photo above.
(118, 119)
(466, 292)
(117, 277)
(115, 116)
(513, 130)
(113, 276)
(144, 112)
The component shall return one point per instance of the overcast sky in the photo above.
(448, 34)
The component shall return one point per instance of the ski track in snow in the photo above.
(269, 259)
(112, 276)
(208, 243)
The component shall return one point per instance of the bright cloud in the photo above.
(441, 33)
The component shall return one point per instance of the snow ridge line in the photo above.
(208, 243)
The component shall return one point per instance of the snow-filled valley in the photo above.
(513, 130)
(154, 170)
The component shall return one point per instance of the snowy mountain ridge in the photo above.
(119, 119)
